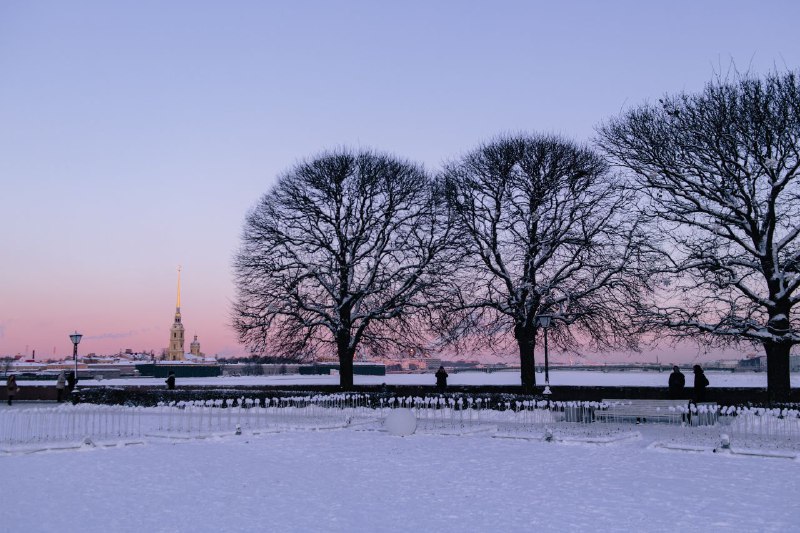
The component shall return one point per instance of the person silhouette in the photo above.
(11, 388)
(441, 378)
(700, 384)
(676, 383)
(170, 381)
(61, 383)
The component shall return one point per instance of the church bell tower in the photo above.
(176, 333)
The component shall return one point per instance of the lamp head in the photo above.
(75, 338)
(544, 321)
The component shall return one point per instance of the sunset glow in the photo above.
(136, 137)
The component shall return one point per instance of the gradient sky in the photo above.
(135, 136)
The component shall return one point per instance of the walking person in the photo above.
(676, 383)
(11, 388)
(71, 381)
(170, 381)
(700, 384)
(61, 383)
(441, 378)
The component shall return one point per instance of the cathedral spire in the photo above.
(178, 303)
(176, 335)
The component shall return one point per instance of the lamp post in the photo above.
(544, 322)
(75, 338)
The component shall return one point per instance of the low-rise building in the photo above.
(758, 363)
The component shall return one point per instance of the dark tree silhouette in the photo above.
(546, 231)
(719, 170)
(343, 254)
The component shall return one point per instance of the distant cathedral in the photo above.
(176, 334)
(176, 352)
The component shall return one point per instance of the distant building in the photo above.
(194, 348)
(432, 364)
(723, 363)
(753, 362)
(759, 363)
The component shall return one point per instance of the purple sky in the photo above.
(134, 136)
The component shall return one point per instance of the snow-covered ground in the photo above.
(557, 377)
(601, 477)
(355, 480)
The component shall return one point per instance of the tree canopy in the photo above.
(343, 254)
(546, 231)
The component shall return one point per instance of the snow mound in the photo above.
(401, 422)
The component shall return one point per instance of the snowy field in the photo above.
(356, 480)
(557, 377)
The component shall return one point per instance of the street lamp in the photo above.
(75, 338)
(544, 322)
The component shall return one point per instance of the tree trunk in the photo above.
(778, 382)
(345, 359)
(527, 361)
(346, 372)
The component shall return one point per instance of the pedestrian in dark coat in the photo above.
(71, 381)
(676, 383)
(441, 378)
(700, 384)
(170, 381)
(11, 388)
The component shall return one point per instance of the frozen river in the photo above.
(557, 377)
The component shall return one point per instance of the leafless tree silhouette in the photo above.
(719, 171)
(344, 254)
(546, 230)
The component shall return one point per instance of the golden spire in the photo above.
(178, 304)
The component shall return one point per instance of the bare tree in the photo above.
(545, 232)
(719, 170)
(342, 255)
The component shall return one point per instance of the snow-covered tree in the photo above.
(719, 170)
(343, 254)
(546, 231)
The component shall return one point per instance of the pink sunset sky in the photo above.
(135, 136)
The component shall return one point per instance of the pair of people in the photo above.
(65, 383)
(12, 388)
(677, 381)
